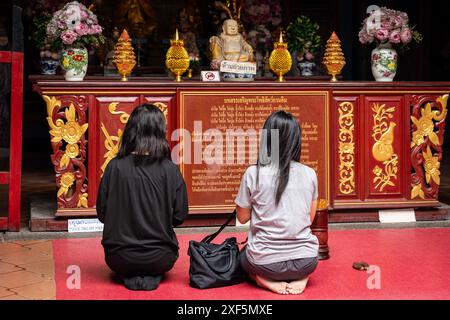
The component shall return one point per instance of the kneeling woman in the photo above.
(141, 197)
(279, 197)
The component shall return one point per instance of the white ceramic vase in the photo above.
(384, 62)
(75, 63)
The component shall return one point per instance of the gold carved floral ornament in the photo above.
(383, 150)
(425, 124)
(431, 167)
(67, 180)
(346, 148)
(70, 131)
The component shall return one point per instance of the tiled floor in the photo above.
(27, 270)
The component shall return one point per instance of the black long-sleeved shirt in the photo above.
(139, 205)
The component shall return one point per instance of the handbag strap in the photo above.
(212, 236)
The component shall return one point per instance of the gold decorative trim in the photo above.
(383, 150)
(112, 144)
(346, 148)
(123, 115)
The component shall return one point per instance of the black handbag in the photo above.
(215, 265)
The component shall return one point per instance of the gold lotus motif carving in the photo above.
(346, 148)
(383, 150)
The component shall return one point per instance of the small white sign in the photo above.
(238, 67)
(397, 216)
(84, 225)
(210, 76)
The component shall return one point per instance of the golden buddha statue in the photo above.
(138, 17)
(230, 45)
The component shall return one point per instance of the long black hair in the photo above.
(283, 132)
(144, 135)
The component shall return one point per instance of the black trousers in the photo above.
(129, 265)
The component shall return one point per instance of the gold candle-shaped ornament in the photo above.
(280, 60)
(124, 58)
(334, 58)
(177, 58)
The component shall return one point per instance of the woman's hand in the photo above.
(312, 213)
(243, 214)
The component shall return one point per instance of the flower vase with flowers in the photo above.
(72, 29)
(387, 27)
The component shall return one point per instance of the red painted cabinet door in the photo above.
(386, 162)
(111, 114)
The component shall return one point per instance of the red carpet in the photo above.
(414, 264)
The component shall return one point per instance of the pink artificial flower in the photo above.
(382, 35)
(82, 29)
(406, 36)
(95, 29)
(68, 37)
(309, 56)
(83, 15)
(61, 24)
(395, 37)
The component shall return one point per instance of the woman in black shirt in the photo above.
(141, 197)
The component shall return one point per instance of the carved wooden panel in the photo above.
(428, 115)
(385, 159)
(346, 148)
(66, 116)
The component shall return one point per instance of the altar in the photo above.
(373, 145)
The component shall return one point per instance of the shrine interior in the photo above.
(373, 120)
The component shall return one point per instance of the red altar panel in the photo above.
(386, 169)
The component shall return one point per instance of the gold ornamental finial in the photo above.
(334, 58)
(124, 57)
(280, 60)
(177, 58)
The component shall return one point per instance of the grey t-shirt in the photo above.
(279, 233)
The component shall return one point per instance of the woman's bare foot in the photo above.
(297, 287)
(279, 287)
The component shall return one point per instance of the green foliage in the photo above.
(303, 36)
(39, 32)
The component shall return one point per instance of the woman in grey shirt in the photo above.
(279, 198)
